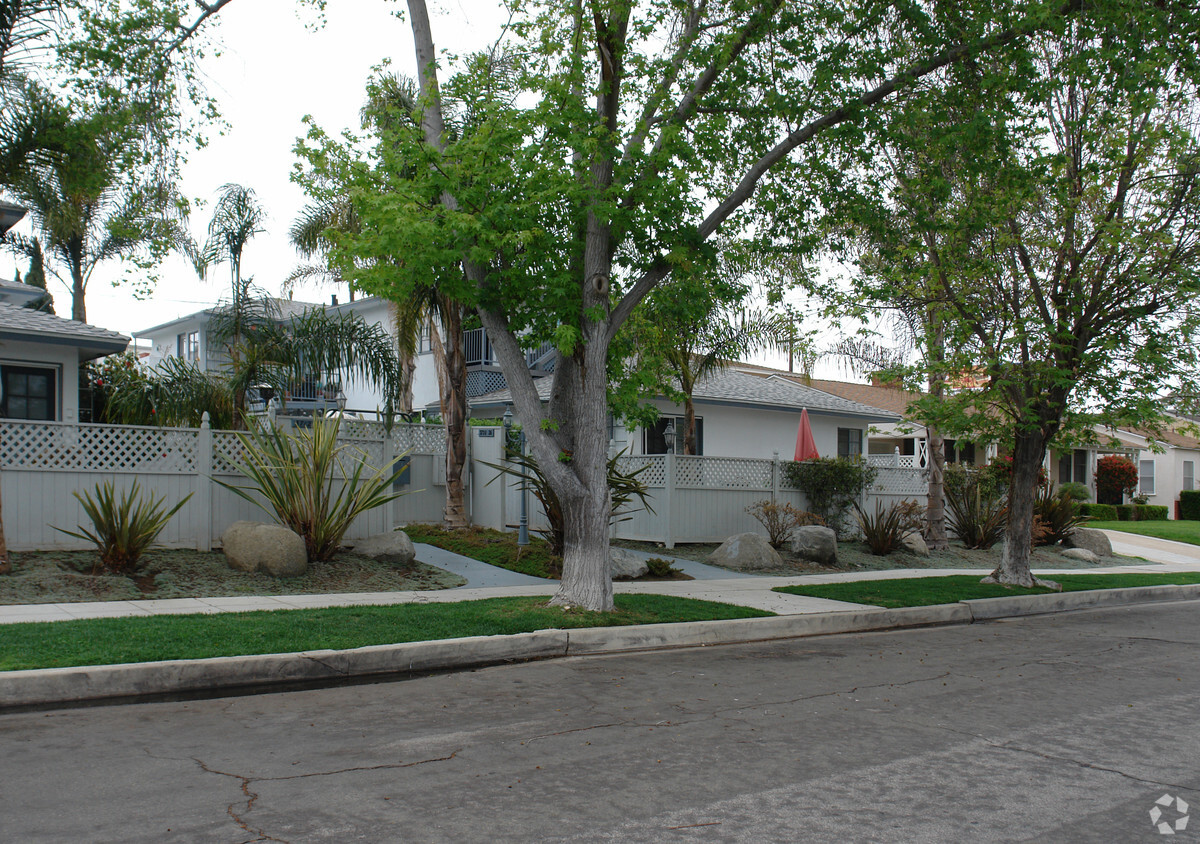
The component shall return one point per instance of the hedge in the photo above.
(1189, 504)
(1126, 512)
(1151, 512)
(1099, 512)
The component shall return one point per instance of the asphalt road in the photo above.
(1052, 728)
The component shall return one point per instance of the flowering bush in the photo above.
(1115, 476)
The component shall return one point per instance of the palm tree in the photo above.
(87, 211)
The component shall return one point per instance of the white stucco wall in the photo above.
(64, 360)
(754, 432)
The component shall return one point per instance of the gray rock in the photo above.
(746, 552)
(395, 546)
(254, 546)
(914, 543)
(1082, 554)
(623, 563)
(815, 543)
(1091, 539)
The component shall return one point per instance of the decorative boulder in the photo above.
(746, 552)
(914, 543)
(1091, 539)
(815, 543)
(1081, 554)
(395, 546)
(253, 546)
(622, 563)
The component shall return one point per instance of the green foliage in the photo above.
(1115, 476)
(1126, 512)
(1058, 514)
(175, 393)
(658, 567)
(624, 488)
(781, 519)
(977, 514)
(883, 530)
(830, 484)
(1099, 512)
(1151, 512)
(1189, 504)
(295, 474)
(124, 526)
(1075, 491)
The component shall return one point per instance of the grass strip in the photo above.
(926, 591)
(1178, 531)
(109, 641)
(494, 547)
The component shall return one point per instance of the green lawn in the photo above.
(494, 547)
(106, 641)
(1180, 531)
(924, 591)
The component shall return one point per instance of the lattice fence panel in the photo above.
(420, 439)
(892, 481)
(365, 429)
(722, 473)
(655, 474)
(228, 453)
(97, 448)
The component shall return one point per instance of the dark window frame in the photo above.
(8, 392)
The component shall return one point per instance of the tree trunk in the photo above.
(408, 369)
(935, 511)
(689, 425)
(78, 309)
(454, 405)
(1028, 453)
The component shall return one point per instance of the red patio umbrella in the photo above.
(806, 446)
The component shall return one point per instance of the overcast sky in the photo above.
(275, 67)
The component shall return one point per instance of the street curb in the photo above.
(49, 686)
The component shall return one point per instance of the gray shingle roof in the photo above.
(730, 387)
(34, 326)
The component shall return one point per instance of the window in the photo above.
(850, 442)
(187, 346)
(959, 452)
(654, 439)
(1072, 466)
(425, 340)
(1146, 477)
(1189, 474)
(28, 393)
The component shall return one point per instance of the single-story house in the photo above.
(737, 415)
(40, 356)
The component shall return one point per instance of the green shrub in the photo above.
(1126, 512)
(660, 567)
(294, 473)
(781, 519)
(1189, 504)
(124, 527)
(976, 514)
(1151, 512)
(1057, 515)
(1075, 491)
(883, 531)
(831, 484)
(1099, 512)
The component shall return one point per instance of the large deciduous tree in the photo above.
(1061, 245)
(607, 146)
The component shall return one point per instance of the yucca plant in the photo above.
(883, 531)
(975, 517)
(1059, 515)
(125, 526)
(294, 473)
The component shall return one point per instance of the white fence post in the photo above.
(204, 485)
(668, 495)
(775, 477)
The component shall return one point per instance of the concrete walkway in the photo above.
(485, 581)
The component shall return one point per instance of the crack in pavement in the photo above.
(252, 796)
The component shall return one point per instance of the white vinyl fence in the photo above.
(693, 499)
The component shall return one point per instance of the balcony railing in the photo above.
(478, 351)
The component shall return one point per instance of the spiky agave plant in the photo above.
(123, 526)
(295, 475)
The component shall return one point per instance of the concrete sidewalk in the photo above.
(485, 581)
